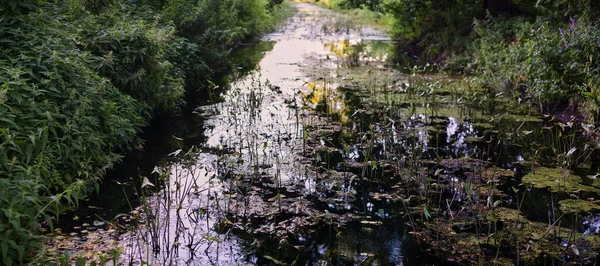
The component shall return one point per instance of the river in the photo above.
(326, 153)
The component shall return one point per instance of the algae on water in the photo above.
(577, 206)
(558, 180)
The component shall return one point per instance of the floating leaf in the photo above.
(211, 238)
(98, 223)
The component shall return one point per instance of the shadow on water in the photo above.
(377, 243)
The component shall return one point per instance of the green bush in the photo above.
(374, 5)
(133, 54)
(61, 125)
(552, 63)
(207, 30)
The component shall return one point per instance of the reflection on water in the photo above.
(178, 223)
(257, 132)
(456, 135)
(592, 226)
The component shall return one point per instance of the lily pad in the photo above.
(577, 206)
(557, 180)
(505, 214)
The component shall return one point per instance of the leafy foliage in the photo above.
(133, 54)
(60, 125)
(552, 63)
(374, 5)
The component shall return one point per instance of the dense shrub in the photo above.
(133, 54)
(374, 5)
(433, 30)
(552, 63)
(207, 30)
(59, 125)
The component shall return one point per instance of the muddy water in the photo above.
(324, 154)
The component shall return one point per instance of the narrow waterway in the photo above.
(217, 206)
(324, 153)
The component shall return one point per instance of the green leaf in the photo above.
(66, 259)
(516, 190)
(28, 153)
(4, 248)
(467, 189)
(426, 213)
(275, 261)
(12, 123)
(80, 262)
(571, 151)
(175, 153)
(13, 4)
(121, 215)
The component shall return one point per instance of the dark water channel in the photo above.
(325, 154)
